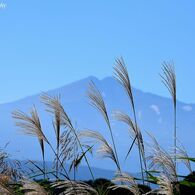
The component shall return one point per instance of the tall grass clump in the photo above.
(67, 124)
(67, 139)
(30, 124)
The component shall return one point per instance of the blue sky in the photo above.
(47, 44)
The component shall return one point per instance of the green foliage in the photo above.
(103, 186)
(17, 189)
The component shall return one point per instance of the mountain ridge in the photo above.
(154, 114)
(89, 78)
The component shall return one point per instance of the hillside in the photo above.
(154, 116)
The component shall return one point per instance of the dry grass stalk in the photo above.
(105, 149)
(182, 156)
(53, 106)
(134, 131)
(162, 161)
(128, 183)
(97, 101)
(166, 185)
(31, 125)
(169, 80)
(68, 144)
(122, 76)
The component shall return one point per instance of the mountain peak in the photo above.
(153, 114)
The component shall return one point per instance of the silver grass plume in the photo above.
(182, 156)
(134, 131)
(31, 125)
(162, 161)
(52, 106)
(166, 185)
(68, 143)
(122, 76)
(97, 101)
(169, 80)
(105, 150)
(128, 182)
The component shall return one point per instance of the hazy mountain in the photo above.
(154, 115)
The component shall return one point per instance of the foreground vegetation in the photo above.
(158, 167)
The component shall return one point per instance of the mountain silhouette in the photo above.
(154, 113)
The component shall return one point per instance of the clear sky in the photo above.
(46, 44)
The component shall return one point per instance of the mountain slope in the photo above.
(154, 115)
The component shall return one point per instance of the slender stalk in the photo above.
(67, 176)
(131, 147)
(51, 107)
(169, 80)
(175, 136)
(58, 145)
(61, 164)
(115, 151)
(74, 165)
(97, 101)
(86, 160)
(41, 142)
(122, 76)
(105, 149)
(139, 148)
(56, 108)
(44, 168)
(57, 166)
